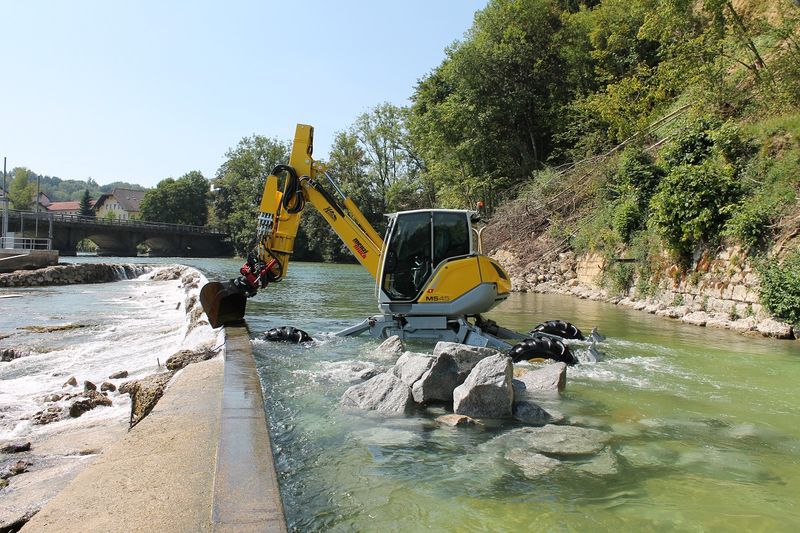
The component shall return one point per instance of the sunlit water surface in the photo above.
(705, 425)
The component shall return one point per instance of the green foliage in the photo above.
(238, 186)
(693, 144)
(86, 209)
(21, 191)
(780, 288)
(618, 277)
(692, 204)
(181, 201)
(627, 217)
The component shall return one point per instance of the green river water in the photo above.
(705, 425)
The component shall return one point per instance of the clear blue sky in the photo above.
(142, 90)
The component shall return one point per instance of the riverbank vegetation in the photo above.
(657, 130)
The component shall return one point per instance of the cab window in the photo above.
(450, 236)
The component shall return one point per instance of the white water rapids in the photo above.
(93, 331)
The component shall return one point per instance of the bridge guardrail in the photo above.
(61, 217)
(24, 243)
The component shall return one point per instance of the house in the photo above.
(44, 202)
(66, 208)
(120, 203)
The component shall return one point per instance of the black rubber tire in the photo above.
(540, 346)
(559, 328)
(287, 334)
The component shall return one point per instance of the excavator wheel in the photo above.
(540, 346)
(287, 334)
(559, 328)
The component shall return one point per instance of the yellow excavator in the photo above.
(432, 280)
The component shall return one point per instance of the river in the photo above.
(705, 424)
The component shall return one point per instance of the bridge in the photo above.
(115, 237)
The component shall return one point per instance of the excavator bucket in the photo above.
(223, 302)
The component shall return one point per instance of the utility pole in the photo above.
(5, 209)
(37, 206)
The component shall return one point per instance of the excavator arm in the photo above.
(281, 210)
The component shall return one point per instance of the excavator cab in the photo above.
(431, 263)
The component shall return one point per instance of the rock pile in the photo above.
(477, 382)
(72, 274)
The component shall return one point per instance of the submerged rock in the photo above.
(71, 382)
(119, 375)
(385, 393)
(554, 440)
(145, 394)
(456, 421)
(532, 464)
(487, 391)
(604, 464)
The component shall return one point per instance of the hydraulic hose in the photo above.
(293, 200)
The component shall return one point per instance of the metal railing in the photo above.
(25, 243)
(79, 219)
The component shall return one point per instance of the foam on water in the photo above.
(132, 325)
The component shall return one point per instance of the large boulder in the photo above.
(772, 328)
(90, 400)
(531, 413)
(385, 393)
(487, 391)
(549, 378)
(411, 366)
(438, 382)
(466, 357)
(186, 357)
(392, 346)
(145, 394)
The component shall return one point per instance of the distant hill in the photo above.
(60, 190)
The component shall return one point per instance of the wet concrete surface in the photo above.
(200, 461)
(246, 493)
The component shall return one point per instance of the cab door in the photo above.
(417, 243)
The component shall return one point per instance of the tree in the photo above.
(86, 209)
(21, 190)
(181, 201)
(239, 184)
(387, 150)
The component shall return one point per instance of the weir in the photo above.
(200, 461)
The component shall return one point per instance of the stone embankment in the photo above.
(73, 274)
(721, 291)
